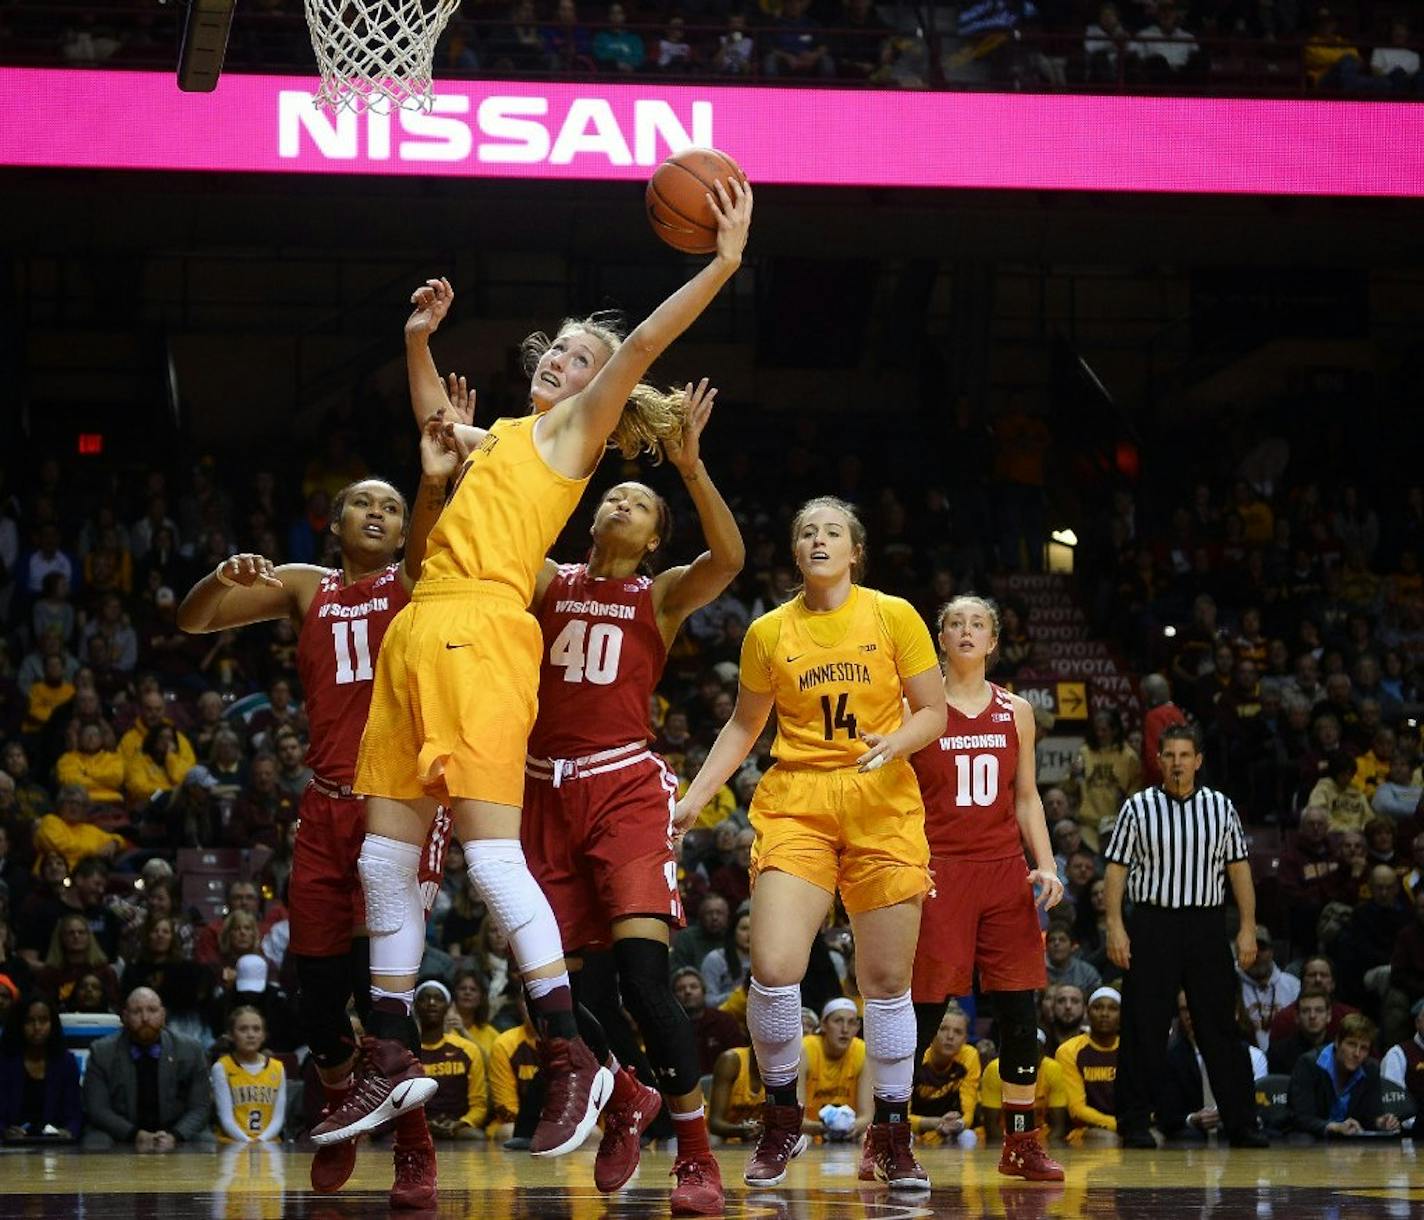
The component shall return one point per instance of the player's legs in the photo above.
(787, 916)
(1023, 1155)
(390, 1082)
(579, 1085)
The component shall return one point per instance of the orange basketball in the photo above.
(677, 198)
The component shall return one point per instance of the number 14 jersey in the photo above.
(967, 781)
(603, 655)
(835, 674)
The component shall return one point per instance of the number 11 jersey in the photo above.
(336, 659)
(835, 674)
(603, 655)
(967, 778)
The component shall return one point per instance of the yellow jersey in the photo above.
(836, 674)
(831, 1082)
(743, 1101)
(508, 507)
(253, 1094)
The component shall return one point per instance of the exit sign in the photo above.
(91, 444)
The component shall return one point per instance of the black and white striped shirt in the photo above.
(1176, 850)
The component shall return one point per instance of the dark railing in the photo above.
(127, 37)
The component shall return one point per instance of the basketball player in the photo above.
(598, 803)
(981, 809)
(342, 618)
(457, 684)
(840, 808)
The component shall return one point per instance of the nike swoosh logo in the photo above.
(456, 645)
(793, 660)
(402, 1090)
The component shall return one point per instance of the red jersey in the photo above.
(336, 661)
(967, 780)
(603, 655)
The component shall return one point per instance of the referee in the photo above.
(1172, 851)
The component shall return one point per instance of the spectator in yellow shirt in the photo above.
(68, 831)
(461, 1101)
(1372, 768)
(1349, 808)
(1089, 1064)
(1103, 775)
(47, 694)
(1329, 60)
(832, 1072)
(152, 712)
(98, 771)
(158, 767)
(946, 1090)
(514, 1068)
(1050, 1100)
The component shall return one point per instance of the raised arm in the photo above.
(428, 393)
(576, 430)
(681, 590)
(247, 588)
(439, 459)
(1028, 809)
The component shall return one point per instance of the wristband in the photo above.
(223, 579)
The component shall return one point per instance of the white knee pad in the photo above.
(395, 914)
(774, 1022)
(890, 1046)
(501, 874)
(389, 869)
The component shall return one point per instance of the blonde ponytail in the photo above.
(650, 416)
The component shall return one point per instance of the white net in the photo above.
(376, 54)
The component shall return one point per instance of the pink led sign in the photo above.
(480, 129)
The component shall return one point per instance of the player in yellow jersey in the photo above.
(839, 809)
(457, 679)
(249, 1085)
(737, 1096)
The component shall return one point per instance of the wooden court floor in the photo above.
(482, 1183)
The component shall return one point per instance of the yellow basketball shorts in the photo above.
(861, 832)
(455, 695)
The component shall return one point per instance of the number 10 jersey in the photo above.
(603, 656)
(967, 778)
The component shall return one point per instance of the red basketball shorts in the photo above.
(981, 913)
(599, 841)
(325, 905)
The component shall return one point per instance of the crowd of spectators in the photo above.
(1355, 46)
(1286, 618)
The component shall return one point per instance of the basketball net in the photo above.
(376, 54)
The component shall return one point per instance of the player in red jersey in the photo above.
(597, 821)
(342, 615)
(981, 809)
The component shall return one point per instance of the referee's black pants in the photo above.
(1175, 950)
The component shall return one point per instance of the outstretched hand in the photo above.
(685, 450)
(462, 399)
(247, 570)
(734, 218)
(432, 301)
(440, 450)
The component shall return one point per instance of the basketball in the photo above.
(677, 198)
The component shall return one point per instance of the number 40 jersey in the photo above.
(336, 661)
(603, 656)
(967, 780)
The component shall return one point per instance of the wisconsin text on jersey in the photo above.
(593, 609)
(834, 671)
(336, 610)
(975, 741)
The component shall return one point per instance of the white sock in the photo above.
(539, 988)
